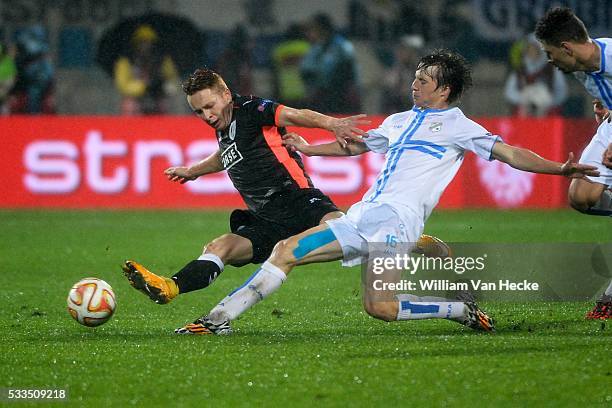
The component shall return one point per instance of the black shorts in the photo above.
(287, 214)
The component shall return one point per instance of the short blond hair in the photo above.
(203, 78)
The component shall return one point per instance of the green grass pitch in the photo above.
(309, 344)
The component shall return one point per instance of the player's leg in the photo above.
(317, 244)
(197, 274)
(228, 249)
(410, 307)
(591, 195)
(590, 198)
(594, 199)
(251, 240)
(389, 305)
(405, 306)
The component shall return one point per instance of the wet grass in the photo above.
(310, 343)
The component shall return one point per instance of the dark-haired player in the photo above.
(570, 48)
(424, 148)
(279, 195)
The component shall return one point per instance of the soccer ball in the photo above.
(91, 302)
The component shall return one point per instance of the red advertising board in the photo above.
(118, 162)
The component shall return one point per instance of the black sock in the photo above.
(197, 274)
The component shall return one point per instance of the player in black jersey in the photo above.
(280, 197)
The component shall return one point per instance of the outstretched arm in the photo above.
(526, 160)
(345, 129)
(297, 143)
(182, 174)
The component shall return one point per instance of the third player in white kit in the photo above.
(570, 48)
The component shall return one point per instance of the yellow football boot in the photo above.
(158, 288)
(432, 247)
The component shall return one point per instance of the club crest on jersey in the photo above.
(230, 156)
(232, 130)
(262, 105)
(435, 127)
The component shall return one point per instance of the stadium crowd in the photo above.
(364, 64)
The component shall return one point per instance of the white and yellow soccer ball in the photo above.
(91, 302)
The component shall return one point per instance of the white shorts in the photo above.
(372, 223)
(593, 154)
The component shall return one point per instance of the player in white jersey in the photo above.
(570, 48)
(424, 148)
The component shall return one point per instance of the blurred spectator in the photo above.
(33, 93)
(413, 19)
(534, 87)
(397, 82)
(145, 77)
(287, 57)
(377, 21)
(236, 63)
(330, 70)
(260, 13)
(8, 75)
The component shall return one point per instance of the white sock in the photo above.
(413, 308)
(265, 281)
(213, 258)
(609, 290)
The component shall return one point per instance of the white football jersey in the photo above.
(599, 83)
(423, 151)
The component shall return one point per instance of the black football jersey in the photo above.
(253, 154)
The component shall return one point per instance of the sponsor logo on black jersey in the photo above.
(262, 105)
(230, 156)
